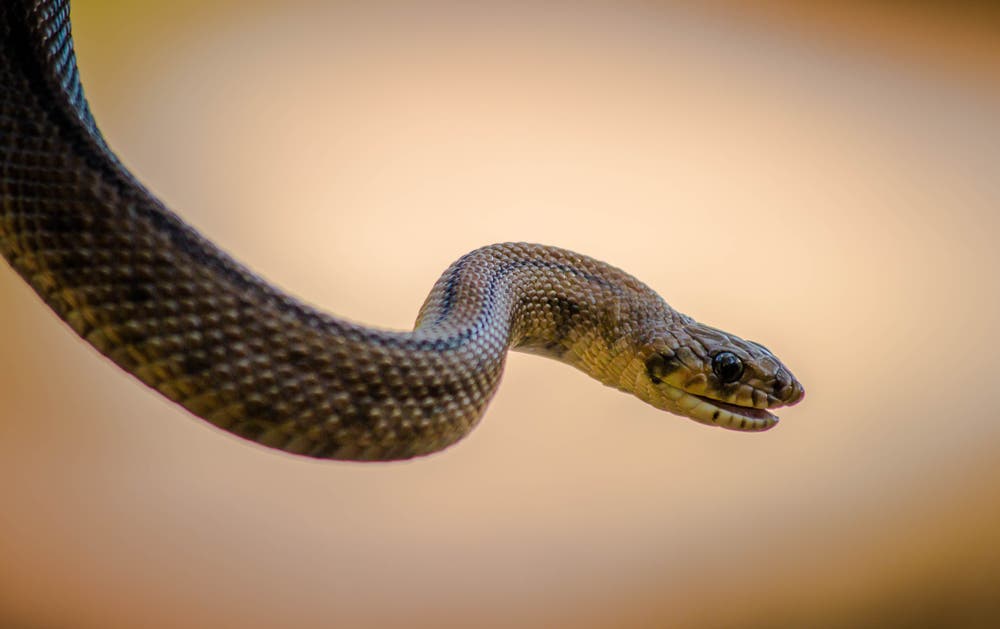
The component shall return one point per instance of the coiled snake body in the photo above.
(169, 307)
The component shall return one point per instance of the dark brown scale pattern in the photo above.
(169, 307)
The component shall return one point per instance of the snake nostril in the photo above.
(786, 388)
(780, 386)
(795, 393)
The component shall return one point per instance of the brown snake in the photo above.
(169, 307)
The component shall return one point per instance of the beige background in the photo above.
(825, 183)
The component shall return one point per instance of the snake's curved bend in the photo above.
(169, 307)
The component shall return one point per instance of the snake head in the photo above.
(716, 378)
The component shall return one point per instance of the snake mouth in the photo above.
(732, 416)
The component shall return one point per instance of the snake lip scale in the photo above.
(757, 418)
(169, 307)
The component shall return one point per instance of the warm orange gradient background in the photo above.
(790, 177)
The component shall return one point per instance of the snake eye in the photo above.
(727, 367)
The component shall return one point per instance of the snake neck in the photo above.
(551, 302)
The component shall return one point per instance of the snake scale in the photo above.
(167, 306)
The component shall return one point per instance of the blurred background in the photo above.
(823, 180)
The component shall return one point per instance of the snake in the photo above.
(168, 306)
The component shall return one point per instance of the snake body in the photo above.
(166, 305)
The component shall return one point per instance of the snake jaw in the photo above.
(732, 416)
(713, 412)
